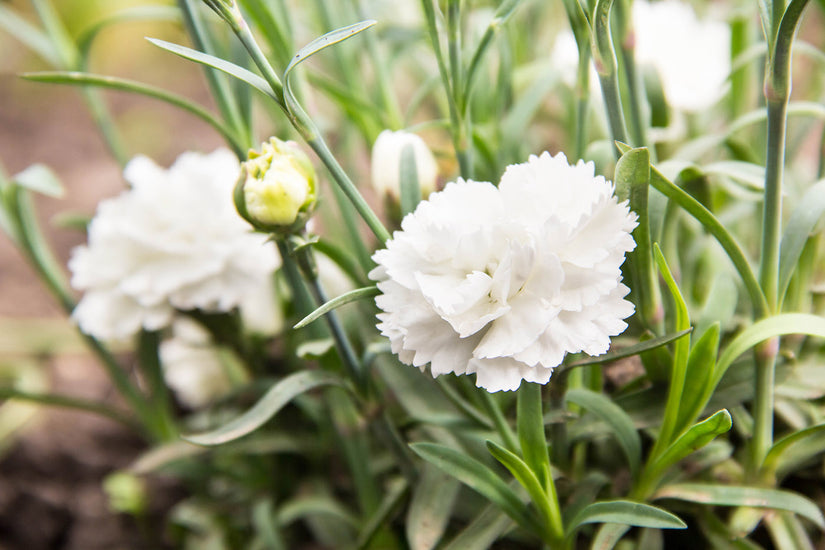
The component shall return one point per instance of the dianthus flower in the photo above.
(505, 281)
(172, 241)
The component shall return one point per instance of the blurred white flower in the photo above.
(191, 365)
(172, 241)
(504, 282)
(565, 60)
(691, 56)
(386, 163)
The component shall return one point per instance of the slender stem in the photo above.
(772, 203)
(502, 426)
(582, 102)
(765, 364)
(604, 57)
(317, 144)
(306, 263)
(459, 142)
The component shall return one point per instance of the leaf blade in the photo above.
(267, 407)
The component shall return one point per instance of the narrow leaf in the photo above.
(382, 515)
(778, 325)
(88, 79)
(627, 513)
(32, 37)
(41, 179)
(608, 536)
(695, 438)
(776, 453)
(701, 361)
(629, 351)
(680, 356)
(482, 532)
(480, 478)
(351, 296)
(330, 38)
(801, 224)
(611, 414)
(268, 406)
(787, 532)
(429, 512)
(728, 495)
(527, 478)
(231, 69)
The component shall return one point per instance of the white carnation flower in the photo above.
(504, 282)
(191, 365)
(172, 241)
(691, 56)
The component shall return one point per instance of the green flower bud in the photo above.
(127, 493)
(276, 189)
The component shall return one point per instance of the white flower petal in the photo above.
(504, 282)
(173, 241)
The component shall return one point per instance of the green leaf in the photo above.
(408, 179)
(701, 361)
(627, 513)
(32, 37)
(530, 427)
(480, 478)
(41, 179)
(316, 506)
(778, 325)
(680, 357)
(482, 532)
(801, 224)
(392, 496)
(551, 520)
(351, 296)
(787, 533)
(608, 536)
(694, 439)
(231, 69)
(87, 79)
(629, 351)
(620, 423)
(268, 406)
(429, 512)
(330, 38)
(755, 497)
(776, 453)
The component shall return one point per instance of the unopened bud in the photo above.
(276, 189)
(386, 163)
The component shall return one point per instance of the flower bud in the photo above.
(276, 188)
(386, 163)
(127, 493)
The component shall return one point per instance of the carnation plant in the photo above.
(593, 228)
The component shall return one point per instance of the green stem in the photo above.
(316, 142)
(34, 247)
(604, 57)
(772, 204)
(765, 364)
(582, 103)
(66, 402)
(220, 90)
(458, 128)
